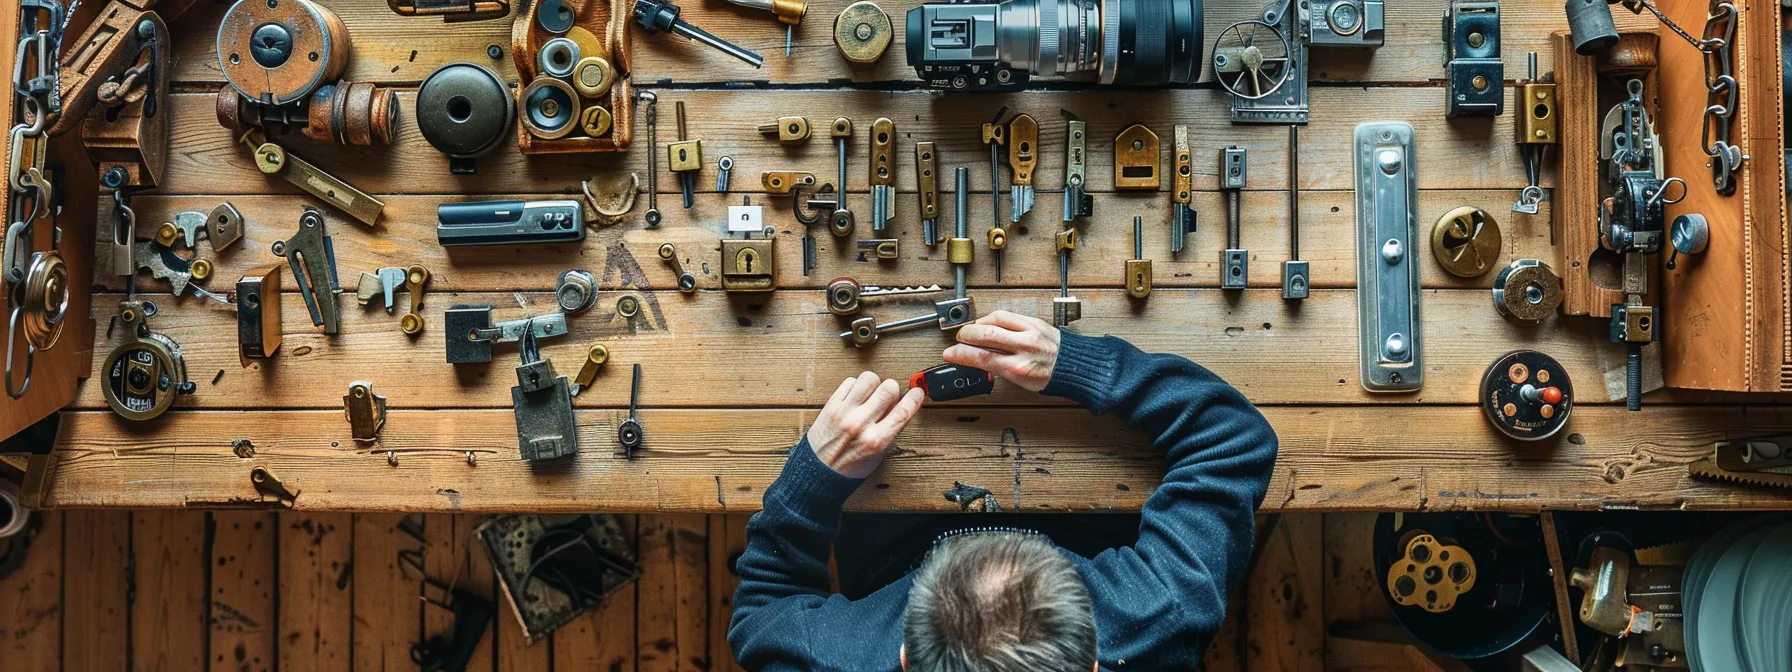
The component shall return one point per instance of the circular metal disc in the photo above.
(862, 31)
(1466, 242)
(1510, 380)
(550, 108)
(1526, 292)
(313, 40)
(463, 109)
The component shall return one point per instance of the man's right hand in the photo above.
(859, 421)
(1017, 347)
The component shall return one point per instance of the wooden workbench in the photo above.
(730, 382)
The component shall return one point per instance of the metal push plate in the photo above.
(1387, 273)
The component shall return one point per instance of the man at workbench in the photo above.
(1037, 594)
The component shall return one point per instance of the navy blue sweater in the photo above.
(1157, 603)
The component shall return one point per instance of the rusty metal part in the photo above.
(131, 133)
(1527, 292)
(278, 53)
(272, 159)
(348, 113)
(44, 302)
(269, 485)
(1466, 241)
(1430, 574)
(452, 11)
(109, 47)
(365, 411)
(782, 182)
(313, 261)
(258, 334)
(608, 208)
(1136, 160)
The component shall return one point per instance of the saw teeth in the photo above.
(1706, 468)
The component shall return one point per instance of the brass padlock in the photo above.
(749, 265)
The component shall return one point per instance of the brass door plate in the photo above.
(749, 265)
(1466, 241)
(1136, 159)
(782, 182)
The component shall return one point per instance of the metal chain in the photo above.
(39, 89)
(1718, 48)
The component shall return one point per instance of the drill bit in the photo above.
(661, 16)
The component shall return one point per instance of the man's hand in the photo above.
(1020, 348)
(859, 421)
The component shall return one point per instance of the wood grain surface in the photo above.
(729, 382)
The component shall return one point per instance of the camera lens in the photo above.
(960, 45)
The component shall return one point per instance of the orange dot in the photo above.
(1552, 395)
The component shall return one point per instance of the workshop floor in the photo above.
(251, 590)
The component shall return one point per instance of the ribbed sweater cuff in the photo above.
(1086, 370)
(811, 489)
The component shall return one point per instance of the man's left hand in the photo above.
(859, 422)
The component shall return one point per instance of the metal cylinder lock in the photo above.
(1590, 26)
(558, 57)
(464, 111)
(1526, 292)
(575, 291)
(550, 108)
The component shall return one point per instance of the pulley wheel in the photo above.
(1251, 59)
(550, 108)
(464, 110)
(46, 300)
(1527, 395)
(280, 51)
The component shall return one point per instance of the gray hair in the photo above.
(998, 602)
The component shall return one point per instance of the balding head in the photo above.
(998, 602)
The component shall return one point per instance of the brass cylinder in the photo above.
(959, 251)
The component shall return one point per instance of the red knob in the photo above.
(1552, 395)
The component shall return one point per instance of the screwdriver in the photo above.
(661, 16)
(790, 13)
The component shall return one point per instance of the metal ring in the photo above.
(46, 298)
(558, 57)
(592, 77)
(550, 108)
(1661, 194)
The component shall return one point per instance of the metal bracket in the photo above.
(366, 411)
(545, 427)
(258, 333)
(269, 485)
(313, 261)
(1387, 276)
(1472, 66)
(470, 333)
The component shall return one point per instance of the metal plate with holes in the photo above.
(1387, 277)
(509, 540)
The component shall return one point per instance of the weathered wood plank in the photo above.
(515, 651)
(316, 591)
(170, 554)
(1435, 458)
(31, 602)
(388, 615)
(727, 540)
(96, 614)
(243, 579)
(449, 560)
(408, 236)
(482, 581)
(1276, 352)
(1352, 594)
(602, 638)
(1225, 653)
(1284, 628)
(1450, 155)
(672, 617)
(389, 48)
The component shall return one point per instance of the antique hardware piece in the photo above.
(464, 111)
(1631, 224)
(951, 382)
(1182, 215)
(510, 222)
(1527, 395)
(661, 16)
(786, 129)
(841, 221)
(1755, 454)
(313, 261)
(960, 250)
(882, 248)
(781, 182)
(223, 226)
(750, 264)
(844, 294)
(1065, 308)
(258, 331)
(575, 291)
(687, 282)
(629, 433)
(927, 169)
(366, 411)
(1023, 157)
(181, 272)
(883, 173)
(272, 159)
(746, 218)
(128, 133)
(282, 61)
(995, 133)
(628, 307)
(545, 426)
(452, 11)
(469, 333)
(1466, 241)
(595, 358)
(1235, 269)
(1136, 159)
(146, 372)
(685, 157)
(789, 12)
(1689, 234)
(1138, 268)
(549, 108)
(1430, 574)
(1077, 203)
(346, 113)
(948, 314)
(415, 278)
(1537, 128)
(652, 105)
(862, 32)
(1387, 279)
(1263, 62)
(1472, 65)
(269, 485)
(724, 173)
(1526, 292)
(607, 207)
(119, 58)
(808, 212)
(1295, 278)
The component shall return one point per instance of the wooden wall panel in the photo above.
(673, 611)
(316, 571)
(388, 615)
(96, 617)
(1285, 598)
(171, 555)
(31, 602)
(603, 638)
(244, 590)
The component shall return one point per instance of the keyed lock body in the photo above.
(750, 264)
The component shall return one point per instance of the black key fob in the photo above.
(950, 382)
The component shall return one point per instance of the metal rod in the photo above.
(689, 31)
(634, 390)
(1293, 193)
(963, 186)
(995, 197)
(1138, 234)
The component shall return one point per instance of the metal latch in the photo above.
(1472, 65)
(1386, 275)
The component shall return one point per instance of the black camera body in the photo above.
(1002, 46)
